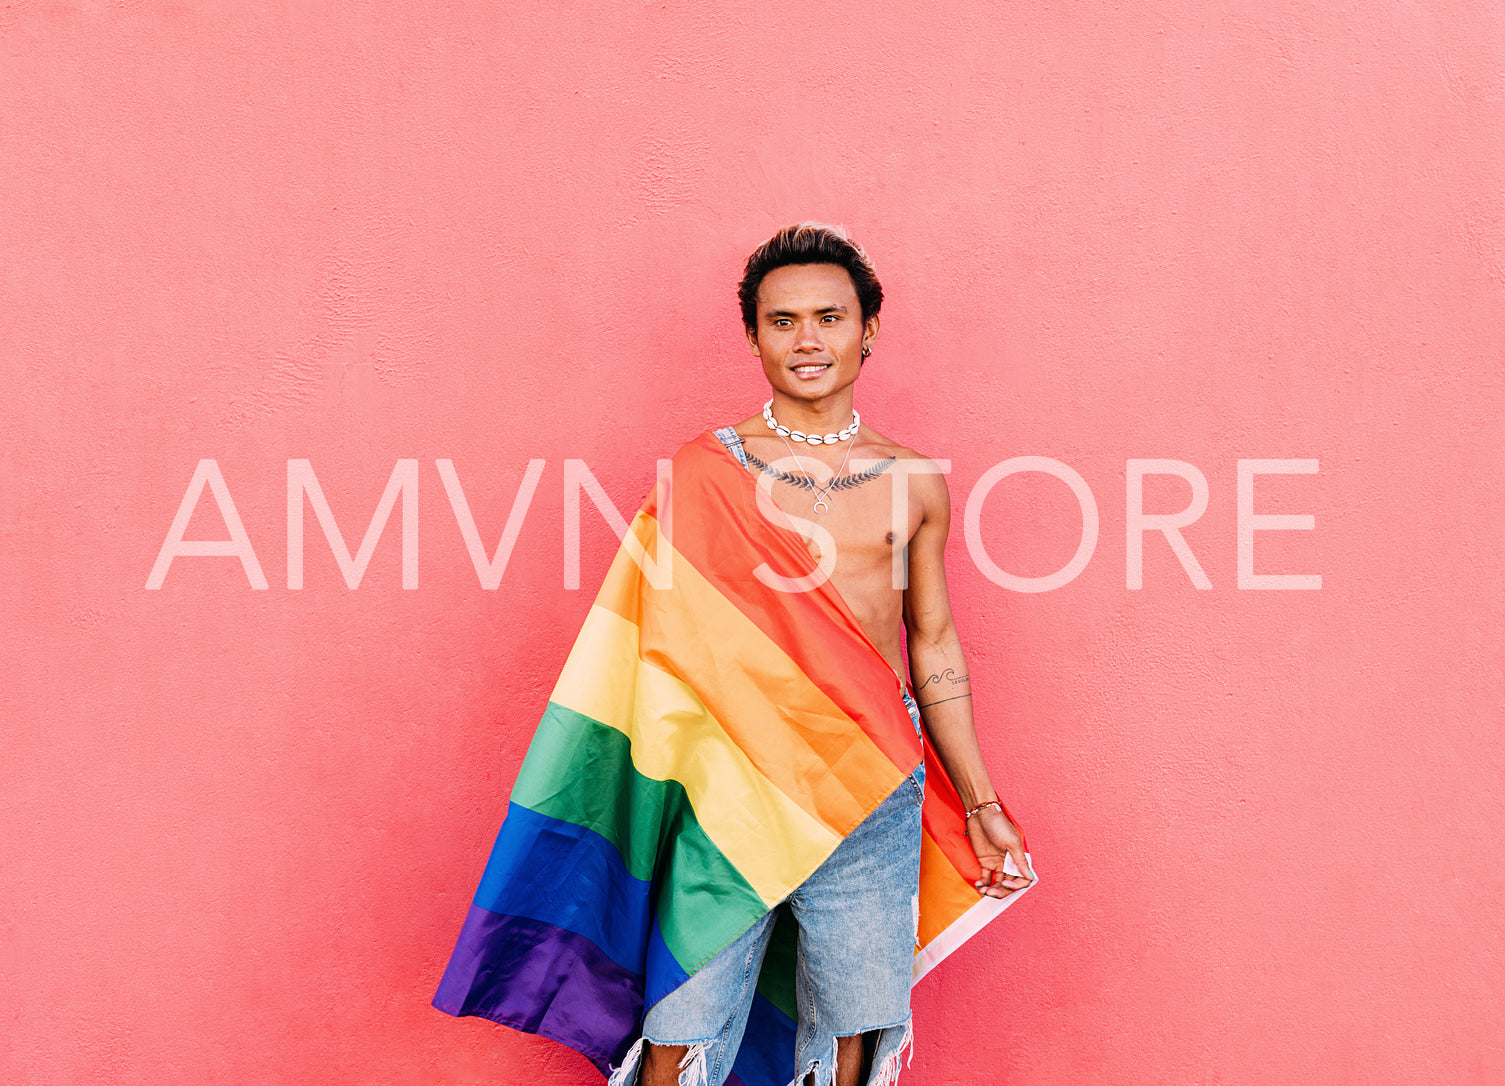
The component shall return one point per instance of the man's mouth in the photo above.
(812, 369)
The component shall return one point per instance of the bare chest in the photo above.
(856, 511)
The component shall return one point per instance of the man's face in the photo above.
(810, 330)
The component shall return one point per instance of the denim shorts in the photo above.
(858, 917)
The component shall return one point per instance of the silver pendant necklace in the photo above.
(822, 493)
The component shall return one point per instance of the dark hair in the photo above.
(809, 243)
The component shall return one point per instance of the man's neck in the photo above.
(823, 416)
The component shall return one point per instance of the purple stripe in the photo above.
(543, 979)
(569, 876)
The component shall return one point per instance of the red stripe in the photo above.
(945, 818)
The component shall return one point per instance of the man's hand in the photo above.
(994, 838)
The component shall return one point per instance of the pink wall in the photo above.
(240, 828)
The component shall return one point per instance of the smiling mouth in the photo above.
(813, 369)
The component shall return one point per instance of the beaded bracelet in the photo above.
(980, 807)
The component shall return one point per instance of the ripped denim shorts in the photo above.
(858, 915)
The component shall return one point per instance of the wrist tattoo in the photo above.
(937, 701)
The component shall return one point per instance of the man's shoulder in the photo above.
(695, 442)
(925, 479)
(697, 453)
(884, 448)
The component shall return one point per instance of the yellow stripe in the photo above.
(675, 737)
(794, 734)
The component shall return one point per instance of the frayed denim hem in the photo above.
(893, 1041)
(692, 1069)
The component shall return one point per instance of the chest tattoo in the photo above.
(849, 481)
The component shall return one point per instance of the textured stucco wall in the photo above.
(240, 827)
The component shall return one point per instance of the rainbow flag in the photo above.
(707, 746)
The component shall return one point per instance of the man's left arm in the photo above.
(943, 689)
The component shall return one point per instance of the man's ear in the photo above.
(752, 338)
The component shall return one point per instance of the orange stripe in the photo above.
(791, 732)
(944, 895)
(722, 534)
(674, 737)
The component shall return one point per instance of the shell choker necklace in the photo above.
(811, 439)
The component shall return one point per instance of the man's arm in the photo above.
(938, 670)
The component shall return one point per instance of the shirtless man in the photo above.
(810, 306)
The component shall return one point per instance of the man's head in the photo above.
(809, 243)
(810, 305)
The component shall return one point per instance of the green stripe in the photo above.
(776, 979)
(580, 770)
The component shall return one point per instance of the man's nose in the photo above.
(809, 338)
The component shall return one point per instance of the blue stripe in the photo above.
(664, 971)
(766, 1057)
(560, 873)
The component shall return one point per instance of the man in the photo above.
(772, 696)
